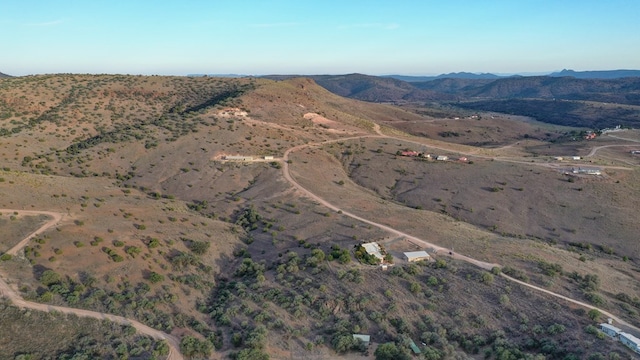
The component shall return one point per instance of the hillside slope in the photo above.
(231, 258)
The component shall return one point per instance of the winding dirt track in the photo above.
(416, 240)
(17, 300)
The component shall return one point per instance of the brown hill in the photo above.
(375, 89)
(590, 99)
(228, 254)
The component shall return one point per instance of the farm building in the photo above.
(587, 171)
(635, 152)
(366, 339)
(442, 158)
(238, 158)
(373, 249)
(630, 341)
(268, 157)
(627, 339)
(576, 158)
(463, 159)
(414, 256)
(609, 329)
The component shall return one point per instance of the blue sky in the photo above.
(412, 37)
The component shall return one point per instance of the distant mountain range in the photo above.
(388, 89)
(458, 75)
(2, 75)
(563, 100)
(603, 74)
(217, 75)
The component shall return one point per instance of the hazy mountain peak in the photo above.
(597, 74)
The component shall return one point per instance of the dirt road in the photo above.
(595, 149)
(9, 293)
(580, 303)
(440, 250)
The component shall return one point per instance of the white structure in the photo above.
(366, 339)
(268, 157)
(576, 158)
(610, 330)
(373, 249)
(414, 256)
(238, 158)
(588, 171)
(627, 339)
(630, 341)
(442, 158)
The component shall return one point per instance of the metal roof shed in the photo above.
(416, 256)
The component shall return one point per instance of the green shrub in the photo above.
(154, 277)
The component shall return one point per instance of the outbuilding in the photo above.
(374, 249)
(238, 158)
(366, 339)
(630, 341)
(609, 330)
(413, 256)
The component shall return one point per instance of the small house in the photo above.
(609, 330)
(630, 341)
(442, 158)
(576, 158)
(238, 158)
(373, 249)
(366, 339)
(268, 157)
(414, 256)
(558, 158)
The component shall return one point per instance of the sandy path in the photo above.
(595, 149)
(17, 300)
(622, 138)
(583, 304)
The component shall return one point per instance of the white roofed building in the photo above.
(414, 256)
(609, 329)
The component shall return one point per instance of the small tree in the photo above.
(487, 278)
(50, 277)
(154, 277)
(594, 314)
(199, 247)
(389, 351)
